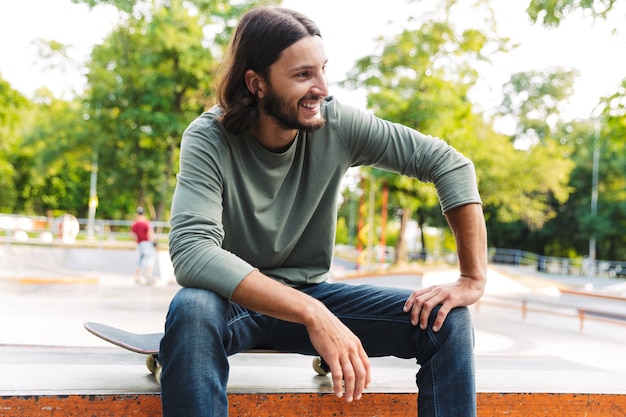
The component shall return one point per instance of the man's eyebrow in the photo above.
(306, 66)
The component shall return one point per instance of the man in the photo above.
(253, 227)
(144, 236)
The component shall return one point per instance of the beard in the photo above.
(278, 108)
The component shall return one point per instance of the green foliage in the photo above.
(421, 78)
(54, 157)
(538, 170)
(147, 81)
(569, 231)
(12, 108)
(551, 12)
(534, 99)
(150, 77)
(122, 5)
(524, 185)
(612, 190)
(342, 232)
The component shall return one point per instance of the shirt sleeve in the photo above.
(393, 147)
(197, 231)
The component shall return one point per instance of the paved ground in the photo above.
(44, 349)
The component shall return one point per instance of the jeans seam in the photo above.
(371, 319)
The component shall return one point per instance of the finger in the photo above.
(362, 373)
(349, 379)
(427, 309)
(337, 375)
(414, 306)
(442, 314)
(421, 310)
(366, 361)
(408, 304)
(413, 298)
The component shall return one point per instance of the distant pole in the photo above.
(93, 197)
(370, 218)
(351, 219)
(383, 221)
(359, 238)
(594, 197)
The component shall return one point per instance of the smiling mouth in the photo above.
(310, 104)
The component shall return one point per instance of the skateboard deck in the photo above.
(139, 343)
(148, 344)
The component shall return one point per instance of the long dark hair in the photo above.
(261, 35)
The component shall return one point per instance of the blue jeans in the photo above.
(202, 329)
(147, 254)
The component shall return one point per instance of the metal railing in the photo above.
(52, 230)
(558, 265)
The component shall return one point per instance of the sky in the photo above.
(348, 28)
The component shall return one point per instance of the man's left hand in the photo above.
(420, 304)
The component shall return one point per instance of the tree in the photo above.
(569, 232)
(144, 84)
(54, 158)
(405, 86)
(612, 190)
(422, 78)
(12, 107)
(575, 224)
(551, 12)
(534, 99)
(147, 81)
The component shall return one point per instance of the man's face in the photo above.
(297, 85)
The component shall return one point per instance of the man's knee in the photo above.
(457, 326)
(456, 336)
(193, 306)
(460, 317)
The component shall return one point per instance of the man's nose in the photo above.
(321, 86)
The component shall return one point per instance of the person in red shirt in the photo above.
(144, 236)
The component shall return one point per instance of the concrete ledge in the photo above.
(318, 405)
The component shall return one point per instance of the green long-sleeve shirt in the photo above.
(238, 207)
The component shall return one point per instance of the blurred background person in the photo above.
(146, 248)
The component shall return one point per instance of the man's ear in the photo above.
(255, 83)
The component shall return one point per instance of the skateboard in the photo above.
(148, 344)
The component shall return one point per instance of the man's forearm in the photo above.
(468, 225)
(262, 294)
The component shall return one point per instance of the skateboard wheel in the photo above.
(152, 364)
(320, 366)
(157, 375)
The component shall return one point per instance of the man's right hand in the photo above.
(344, 354)
(333, 341)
